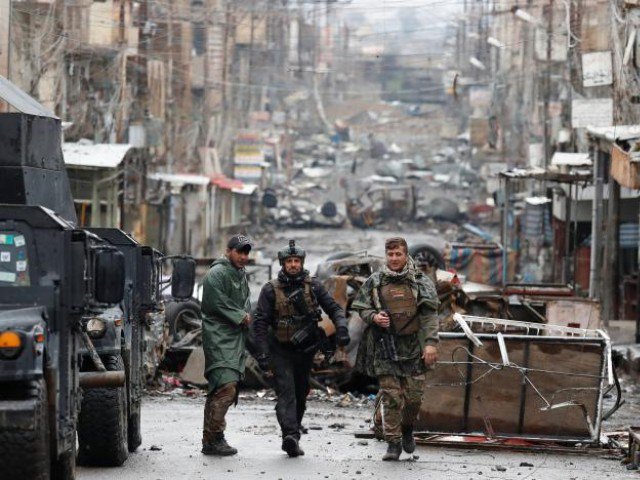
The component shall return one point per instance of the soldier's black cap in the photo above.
(240, 243)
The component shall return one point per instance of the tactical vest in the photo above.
(288, 320)
(399, 300)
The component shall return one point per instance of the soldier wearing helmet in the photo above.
(286, 335)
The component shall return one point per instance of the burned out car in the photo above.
(371, 205)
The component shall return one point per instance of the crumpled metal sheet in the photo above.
(157, 338)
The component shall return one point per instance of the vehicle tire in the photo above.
(182, 317)
(135, 432)
(103, 424)
(26, 454)
(329, 209)
(269, 198)
(425, 254)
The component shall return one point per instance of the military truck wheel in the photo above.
(135, 433)
(103, 424)
(26, 454)
(182, 317)
(425, 254)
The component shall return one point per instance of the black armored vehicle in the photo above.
(51, 275)
(73, 306)
(109, 422)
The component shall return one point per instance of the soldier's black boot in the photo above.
(393, 452)
(219, 447)
(408, 442)
(291, 445)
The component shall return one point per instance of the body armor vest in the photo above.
(288, 320)
(402, 306)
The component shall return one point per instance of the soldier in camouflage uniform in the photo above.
(399, 304)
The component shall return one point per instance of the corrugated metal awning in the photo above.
(615, 132)
(245, 189)
(94, 155)
(571, 159)
(180, 179)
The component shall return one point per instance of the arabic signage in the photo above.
(591, 112)
(597, 69)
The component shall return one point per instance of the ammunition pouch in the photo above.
(300, 332)
(285, 329)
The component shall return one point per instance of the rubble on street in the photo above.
(182, 181)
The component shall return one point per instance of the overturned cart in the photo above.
(508, 379)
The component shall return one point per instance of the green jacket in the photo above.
(409, 348)
(225, 301)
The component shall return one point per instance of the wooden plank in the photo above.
(626, 172)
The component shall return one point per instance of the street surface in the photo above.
(171, 429)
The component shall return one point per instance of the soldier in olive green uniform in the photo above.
(399, 304)
(225, 322)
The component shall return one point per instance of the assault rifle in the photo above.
(385, 336)
(307, 337)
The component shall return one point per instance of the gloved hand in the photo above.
(264, 362)
(342, 336)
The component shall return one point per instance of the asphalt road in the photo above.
(171, 450)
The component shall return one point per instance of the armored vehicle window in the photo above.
(14, 264)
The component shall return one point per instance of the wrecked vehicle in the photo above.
(291, 209)
(109, 421)
(371, 205)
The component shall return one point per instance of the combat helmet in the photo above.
(291, 251)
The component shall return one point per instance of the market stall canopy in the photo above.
(94, 155)
(615, 132)
(236, 186)
(561, 159)
(180, 179)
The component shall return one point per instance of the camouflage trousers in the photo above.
(400, 400)
(215, 409)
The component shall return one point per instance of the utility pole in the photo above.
(168, 143)
(547, 86)
(122, 40)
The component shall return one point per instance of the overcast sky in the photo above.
(423, 20)
(436, 9)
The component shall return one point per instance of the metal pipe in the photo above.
(93, 352)
(505, 232)
(113, 379)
